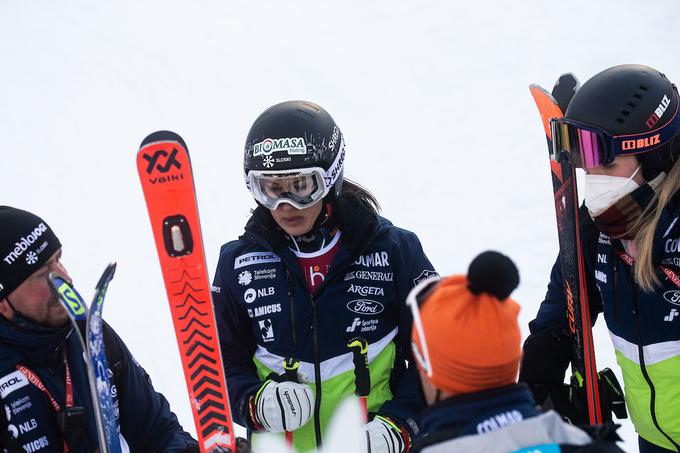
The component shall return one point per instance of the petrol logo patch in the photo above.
(250, 259)
(12, 382)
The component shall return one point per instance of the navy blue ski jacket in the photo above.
(642, 325)
(29, 420)
(503, 420)
(265, 314)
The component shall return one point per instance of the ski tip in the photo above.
(163, 136)
(107, 275)
(56, 280)
(570, 80)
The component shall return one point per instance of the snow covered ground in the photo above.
(431, 95)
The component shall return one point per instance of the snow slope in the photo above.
(431, 95)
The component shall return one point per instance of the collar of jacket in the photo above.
(23, 341)
(459, 415)
(357, 221)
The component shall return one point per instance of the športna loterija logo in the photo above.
(24, 243)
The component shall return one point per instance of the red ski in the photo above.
(165, 172)
(571, 254)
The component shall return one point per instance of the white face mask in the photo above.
(602, 191)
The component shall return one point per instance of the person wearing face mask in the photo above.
(316, 273)
(622, 128)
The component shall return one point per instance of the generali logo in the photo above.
(658, 112)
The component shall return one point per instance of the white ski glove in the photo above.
(283, 406)
(383, 436)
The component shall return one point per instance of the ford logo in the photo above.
(365, 307)
(672, 297)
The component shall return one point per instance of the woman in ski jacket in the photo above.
(474, 401)
(317, 280)
(622, 128)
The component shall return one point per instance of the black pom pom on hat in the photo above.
(493, 273)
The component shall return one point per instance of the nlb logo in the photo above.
(658, 112)
(365, 307)
(640, 143)
(24, 243)
(294, 145)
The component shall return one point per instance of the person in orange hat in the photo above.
(467, 345)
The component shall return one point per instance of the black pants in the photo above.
(648, 447)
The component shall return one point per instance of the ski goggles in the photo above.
(415, 299)
(590, 146)
(299, 188)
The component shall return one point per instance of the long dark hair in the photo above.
(359, 191)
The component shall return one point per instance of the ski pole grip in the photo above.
(290, 367)
(362, 377)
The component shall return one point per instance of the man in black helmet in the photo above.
(45, 400)
(622, 128)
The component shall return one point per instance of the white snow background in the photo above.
(431, 95)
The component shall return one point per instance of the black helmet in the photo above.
(296, 135)
(630, 99)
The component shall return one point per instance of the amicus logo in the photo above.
(365, 307)
(672, 296)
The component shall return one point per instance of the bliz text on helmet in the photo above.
(658, 112)
(22, 244)
(290, 145)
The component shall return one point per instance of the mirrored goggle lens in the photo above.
(586, 147)
(301, 190)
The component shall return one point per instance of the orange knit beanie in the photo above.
(470, 326)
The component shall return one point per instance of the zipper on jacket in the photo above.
(289, 279)
(615, 293)
(643, 367)
(317, 376)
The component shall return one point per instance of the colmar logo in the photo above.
(294, 145)
(170, 161)
(24, 243)
(658, 112)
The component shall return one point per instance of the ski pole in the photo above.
(362, 377)
(290, 373)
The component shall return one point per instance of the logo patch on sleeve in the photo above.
(11, 382)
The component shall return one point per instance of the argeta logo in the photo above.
(671, 315)
(250, 295)
(356, 323)
(266, 329)
(170, 161)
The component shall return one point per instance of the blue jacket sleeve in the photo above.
(146, 421)
(237, 344)
(407, 402)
